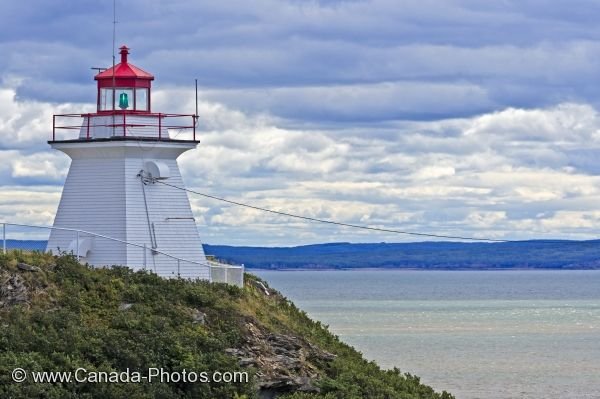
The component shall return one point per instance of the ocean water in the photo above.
(476, 334)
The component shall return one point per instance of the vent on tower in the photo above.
(157, 170)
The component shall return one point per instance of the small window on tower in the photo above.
(141, 99)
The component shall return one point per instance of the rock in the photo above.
(247, 361)
(29, 268)
(278, 383)
(324, 355)
(261, 287)
(320, 354)
(282, 362)
(198, 317)
(234, 352)
(12, 290)
(272, 388)
(305, 385)
(288, 362)
(287, 342)
(125, 306)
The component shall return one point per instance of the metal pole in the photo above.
(77, 243)
(159, 126)
(178, 269)
(144, 256)
(4, 238)
(88, 127)
(196, 115)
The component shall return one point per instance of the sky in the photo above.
(456, 117)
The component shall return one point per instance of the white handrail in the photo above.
(78, 231)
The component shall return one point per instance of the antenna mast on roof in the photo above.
(114, 38)
(196, 114)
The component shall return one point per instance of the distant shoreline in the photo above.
(401, 269)
(436, 255)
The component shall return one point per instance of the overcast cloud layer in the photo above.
(451, 117)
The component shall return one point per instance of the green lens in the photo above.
(123, 101)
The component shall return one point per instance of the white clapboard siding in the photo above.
(104, 195)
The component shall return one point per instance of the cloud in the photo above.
(29, 205)
(41, 167)
(27, 124)
(360, 102)
(318, 61)
(434, 172)
(459, 117)
(507, 174)
(471, 178)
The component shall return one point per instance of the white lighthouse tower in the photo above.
(119, 156)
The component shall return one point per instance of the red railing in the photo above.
(155, 125)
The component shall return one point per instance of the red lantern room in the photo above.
(124, 111)
(124, 87)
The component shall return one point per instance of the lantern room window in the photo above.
(141, 100)
(106, 98)
(124, 99)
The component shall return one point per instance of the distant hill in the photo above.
(536, 254)
(31, 245)
(425, 255)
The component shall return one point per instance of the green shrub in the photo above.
(114, 319)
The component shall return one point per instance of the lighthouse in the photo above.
(119, 156)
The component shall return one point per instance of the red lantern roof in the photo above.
(124, 70)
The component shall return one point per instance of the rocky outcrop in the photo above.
(125, 306)
(284, 363)
(27, 268)
(261, 287)
(13, 290)
(198, 317)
